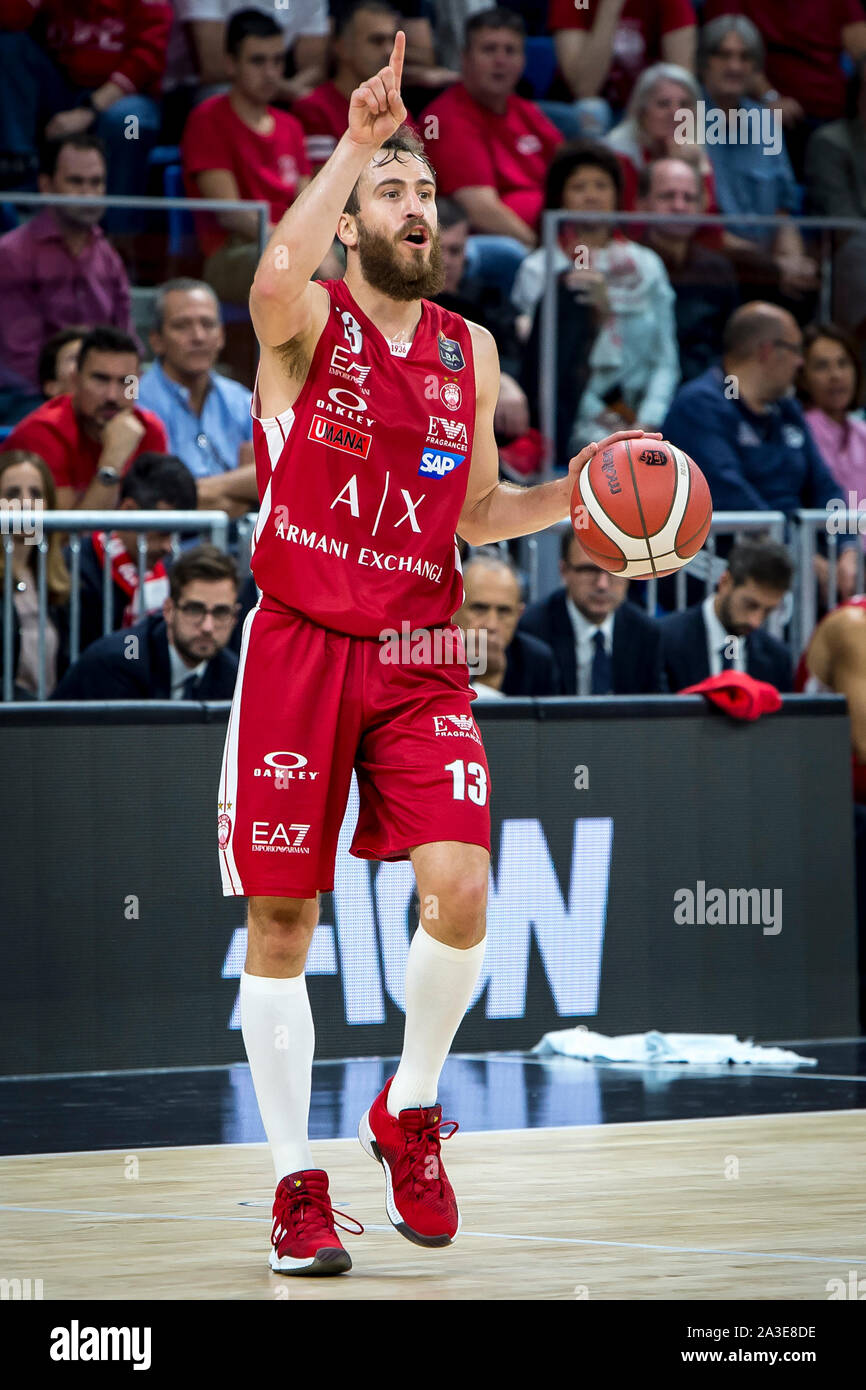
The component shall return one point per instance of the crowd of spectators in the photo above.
(121, 386)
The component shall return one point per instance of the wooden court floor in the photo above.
(746, 1208)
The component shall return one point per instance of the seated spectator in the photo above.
(94, 66)
(830, 389)
(305, 31)
(502, 661)
(702, 280)
(58, 361)
(490, 147)
(57, 269)
(206, 415)
(602, 645)
(653, 128)
(602, 50)
(88, 437)
(482, 303)
(748, 435)
(704, 640)
(153, 482)
(634, 364)
(26, 483)
(239, 146)
(752, 170)
(179, 654)
(803, 76)
(363, 39)
(836, 158)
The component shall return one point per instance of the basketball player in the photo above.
(835, 660)
(373, 432)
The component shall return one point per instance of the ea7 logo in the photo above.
(342, 364)
(451, 433)
(288, 840)
(654, 458)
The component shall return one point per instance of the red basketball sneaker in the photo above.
(419, 1199)
(303, 1234)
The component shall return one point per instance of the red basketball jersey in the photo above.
(363, 480)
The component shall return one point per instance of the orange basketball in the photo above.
(641, 508)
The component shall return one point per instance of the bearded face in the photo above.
(404, 266)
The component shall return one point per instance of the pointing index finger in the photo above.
(395, 62)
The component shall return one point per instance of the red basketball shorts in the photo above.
(309, 706)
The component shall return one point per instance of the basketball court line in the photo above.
(464, 1234)
(475, 1133)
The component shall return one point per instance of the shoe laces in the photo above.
(315, 1212)
(422, 1146)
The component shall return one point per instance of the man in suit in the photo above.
(502, 661)
(179, 654)
(725, 631)
(602, 645)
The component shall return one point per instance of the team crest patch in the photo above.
(450, 354)
(451, 395)
(224, 827)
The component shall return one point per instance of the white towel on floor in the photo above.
(654, 1048)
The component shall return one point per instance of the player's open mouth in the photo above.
(417, 237)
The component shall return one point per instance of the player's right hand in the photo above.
(376, 108)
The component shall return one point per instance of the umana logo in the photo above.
(367, 943)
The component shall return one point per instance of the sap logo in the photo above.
(562, 909)
(451, 433)
(343, 437)
(435, 463)
(279, 838)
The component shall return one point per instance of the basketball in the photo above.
(641, 508)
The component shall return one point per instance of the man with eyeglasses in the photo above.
(206, 414)
(602, 645)
(178, 654)
(743, 427)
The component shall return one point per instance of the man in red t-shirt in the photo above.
(603, 49)
(89, 437)
(363, 38)
(237, 146)
(490, 148)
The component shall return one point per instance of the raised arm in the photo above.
(281, 300)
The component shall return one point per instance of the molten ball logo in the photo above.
(654, 458)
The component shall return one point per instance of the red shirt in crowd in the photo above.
(96, 41)
(44, 288)
(475, 147)
(324, 114)
(637, 40)
(804, 46)
(53, 431)
(265, 167)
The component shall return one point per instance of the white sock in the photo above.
(277, 1027)
(439, 984)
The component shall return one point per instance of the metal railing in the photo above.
(808, 524)
(34, 522)
(706, 565)
(144, 204)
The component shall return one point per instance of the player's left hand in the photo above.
(582, 459)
